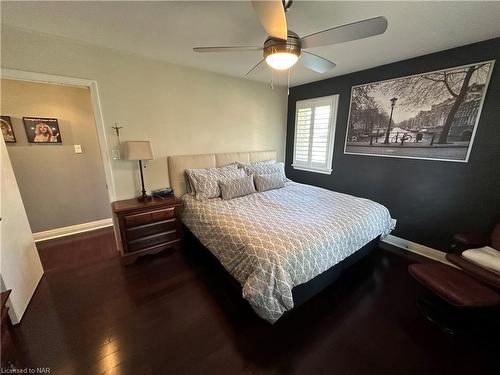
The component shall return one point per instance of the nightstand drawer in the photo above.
(152, 228)
(155, 239)
(148, 217)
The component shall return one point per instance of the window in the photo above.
(314, 134)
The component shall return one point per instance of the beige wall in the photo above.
(181, 110)
(20, 266)
(59, 187)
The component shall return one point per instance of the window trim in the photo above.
(311, 169)
(333, 100)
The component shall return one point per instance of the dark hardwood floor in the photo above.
(78, 250)
(174, 313)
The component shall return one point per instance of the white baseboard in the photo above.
(73, 229)
(417, 248)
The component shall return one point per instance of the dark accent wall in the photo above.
(431, 200)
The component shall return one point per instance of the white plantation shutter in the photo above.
(314, 134)
(303, 134)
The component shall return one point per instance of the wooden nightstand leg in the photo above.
(177, 246)
(129, 260)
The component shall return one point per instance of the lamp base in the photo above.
(144, 198)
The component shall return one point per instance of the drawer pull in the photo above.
(149, 229)
(148, 217)
(154, 239)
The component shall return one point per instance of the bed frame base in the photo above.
(301, 293)
(304, 292)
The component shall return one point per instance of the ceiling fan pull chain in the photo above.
(272, 79)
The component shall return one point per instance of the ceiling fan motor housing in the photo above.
(291, 45)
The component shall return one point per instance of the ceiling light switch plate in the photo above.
(78, 149)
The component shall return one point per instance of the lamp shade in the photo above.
(137, 150)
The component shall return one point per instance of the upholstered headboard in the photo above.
(179, 163)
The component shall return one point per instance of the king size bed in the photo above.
(282, 245)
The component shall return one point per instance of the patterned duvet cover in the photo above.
(273, 241)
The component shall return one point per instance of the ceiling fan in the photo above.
(283, 47)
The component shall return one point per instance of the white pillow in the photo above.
(485, 256)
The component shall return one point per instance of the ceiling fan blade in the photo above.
(256, 65)
(346, 33)
(316, 63)
(272, 17)
(227, 49)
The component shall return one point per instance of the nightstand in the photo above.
(146, 227)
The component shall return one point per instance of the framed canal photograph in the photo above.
(425, 116)
(7, 130)
(42, 130)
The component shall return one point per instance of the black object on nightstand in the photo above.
(146, 227)
(162, 193)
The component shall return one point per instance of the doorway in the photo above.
(55, 149)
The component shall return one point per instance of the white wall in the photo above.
(181, 110)
(20, 266)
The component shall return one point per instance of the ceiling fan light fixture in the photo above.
(282, 54)
(281, 60)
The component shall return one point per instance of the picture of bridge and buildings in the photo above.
(427, 116)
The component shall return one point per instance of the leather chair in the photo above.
(464, 241)
(471, 293)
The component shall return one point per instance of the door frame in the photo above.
(21, 75)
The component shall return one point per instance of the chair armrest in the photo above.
(471, 240)
(487, 276)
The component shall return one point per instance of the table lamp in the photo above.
(138, 150)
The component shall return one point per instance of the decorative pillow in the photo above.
(189, 182)
(269, 181)
(237, 187)
(206, 185)
(260, 169)
(243, 165)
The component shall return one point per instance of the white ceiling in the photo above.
(169, 30)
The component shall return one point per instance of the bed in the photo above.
(282, 245)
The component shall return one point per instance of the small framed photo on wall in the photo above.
(7, 130)
(42, 130)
